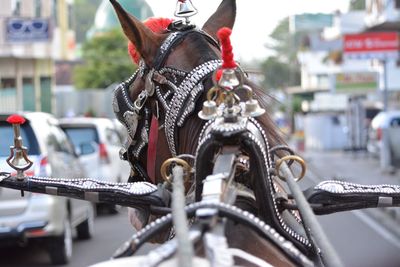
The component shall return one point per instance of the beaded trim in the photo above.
(88, 184)
(263, 146)
(179, 102)
(340, 187)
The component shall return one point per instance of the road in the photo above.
(359, 241)
(111, 231)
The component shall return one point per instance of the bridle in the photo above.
(176, 90)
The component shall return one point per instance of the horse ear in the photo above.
(224, 16)
(146, 42)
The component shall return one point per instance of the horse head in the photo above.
(179, 65)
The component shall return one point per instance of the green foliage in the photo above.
(296, 104)
(282, 40)
(84, 11)
(357, 5)
(106, 61)
(274, 72)
(282, 70)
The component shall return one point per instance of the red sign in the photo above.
(371, 45)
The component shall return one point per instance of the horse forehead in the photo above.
(193, 50)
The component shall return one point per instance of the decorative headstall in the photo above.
(177, 91)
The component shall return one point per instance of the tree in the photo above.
(357, 5)
(84, 11)
(277, 73)
(106, 61)
(282, 70)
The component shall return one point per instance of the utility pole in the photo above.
(385, 156)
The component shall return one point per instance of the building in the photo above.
(323, 67)
(33, 34)
(347, 92)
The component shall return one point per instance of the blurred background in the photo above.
(333, 68)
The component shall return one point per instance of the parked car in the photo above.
(39, 217)
(99, 142)
(389, 120)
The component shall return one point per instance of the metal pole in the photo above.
(185, 247)
(385, 86)
(329, 255)
(385, 160)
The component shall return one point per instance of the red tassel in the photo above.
(218, 75)
(227, 54)
(157, 25)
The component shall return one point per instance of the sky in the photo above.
(255, 19)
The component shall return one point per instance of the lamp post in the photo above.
(385, 156)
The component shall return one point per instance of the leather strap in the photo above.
(152, 149)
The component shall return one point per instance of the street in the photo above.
(110, 232)
(361, 242)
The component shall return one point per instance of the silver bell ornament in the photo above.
(209, 110)
(253, 109)
(229, 79)
(185, 9)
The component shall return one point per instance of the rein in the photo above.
(177, 97)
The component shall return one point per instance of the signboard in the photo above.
(356, 81)
(310, 22)
(27, 30)
(371, 45)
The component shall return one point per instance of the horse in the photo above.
(157, 105)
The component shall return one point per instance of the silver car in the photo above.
(390, 121)
(38, 217)
(98, 142)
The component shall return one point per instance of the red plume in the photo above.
(15, 119)
(227, 54)
(157, 25)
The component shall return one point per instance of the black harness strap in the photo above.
(136, 120)
(173, 40)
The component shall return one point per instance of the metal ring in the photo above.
(167, 164)
(295, 158)
(211, 92)
(249, 91)
(274, 149)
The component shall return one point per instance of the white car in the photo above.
(39, 217)
(389, 120)
(98, 142)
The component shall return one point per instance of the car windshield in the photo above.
(81, 135)
(7, 139)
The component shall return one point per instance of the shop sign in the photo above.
(357, 81)
(371, 45)
(27, 30)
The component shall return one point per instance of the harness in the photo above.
(177, 92)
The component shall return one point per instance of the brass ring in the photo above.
(211, 92)
(248, 90)
(295, 158)
(164, 167)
